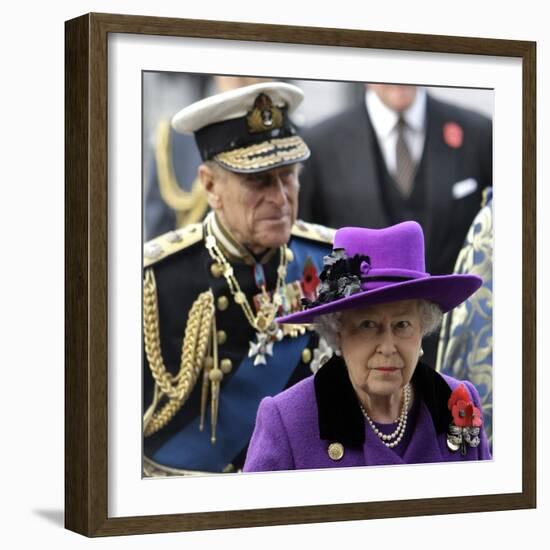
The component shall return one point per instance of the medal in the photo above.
(466, 426)
(267, 330)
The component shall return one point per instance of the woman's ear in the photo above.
(338, 349)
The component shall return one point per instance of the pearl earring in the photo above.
(421, 352)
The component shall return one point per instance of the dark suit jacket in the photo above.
(341, 183)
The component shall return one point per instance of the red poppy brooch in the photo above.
(465, 428)
(310, 280)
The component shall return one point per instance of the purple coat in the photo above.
(295, 428)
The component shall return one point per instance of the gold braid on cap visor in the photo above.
(263, 155)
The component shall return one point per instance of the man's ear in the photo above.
(210, 181)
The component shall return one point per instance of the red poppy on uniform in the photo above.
(310, 279)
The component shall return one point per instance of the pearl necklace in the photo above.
(399, 432)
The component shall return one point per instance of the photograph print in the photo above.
(317, 274)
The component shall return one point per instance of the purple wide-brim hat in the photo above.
(375, 266)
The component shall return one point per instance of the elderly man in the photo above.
(174, 195)
(212, 290)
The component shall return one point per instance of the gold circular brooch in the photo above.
(335, 451)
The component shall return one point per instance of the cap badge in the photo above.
(264, 116)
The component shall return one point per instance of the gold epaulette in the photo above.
(313, 231)
(161, 247)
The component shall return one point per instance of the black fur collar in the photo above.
(341, 419)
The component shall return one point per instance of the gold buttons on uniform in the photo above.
(153, 251)
(226, 365)
(173, 237)
(222, 303)
(222, 337)
(306, 355)
(216, 269)
(335, 451)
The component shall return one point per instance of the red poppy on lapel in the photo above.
(465, 413)
(460, 393)
(453, 135)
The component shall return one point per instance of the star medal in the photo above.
(268, 330)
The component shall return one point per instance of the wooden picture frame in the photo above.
(86, 278)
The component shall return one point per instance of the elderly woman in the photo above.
(373, 402)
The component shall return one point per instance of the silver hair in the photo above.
(328, 326)
(430, 316)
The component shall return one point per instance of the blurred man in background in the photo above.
(400, 154)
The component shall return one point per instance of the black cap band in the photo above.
(235, 133)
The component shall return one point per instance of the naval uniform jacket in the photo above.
(295, 428)
(182, 270)
(345, 182)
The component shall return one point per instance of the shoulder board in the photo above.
(313, 232)
(161, 247)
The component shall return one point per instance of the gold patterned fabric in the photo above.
(189, 206)
(466, 341)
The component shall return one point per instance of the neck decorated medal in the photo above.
(268, 305)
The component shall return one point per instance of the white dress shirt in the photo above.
(384, 121)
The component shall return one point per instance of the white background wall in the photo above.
(31, 217)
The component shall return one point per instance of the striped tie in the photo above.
(405, 168)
